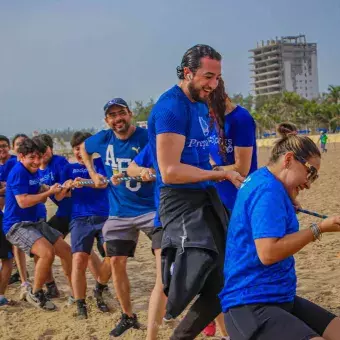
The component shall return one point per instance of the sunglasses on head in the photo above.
(312, 171)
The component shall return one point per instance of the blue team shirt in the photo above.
(86, 201)
(175, 113)
(20, 181)
(145, 159)
(7, 167)
(240, 131)
(262, 209)
(51, 175)
(130, 198)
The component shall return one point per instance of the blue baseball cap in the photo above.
(115, 101)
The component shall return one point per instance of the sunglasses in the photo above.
(312, 171)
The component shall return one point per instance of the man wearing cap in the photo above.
(132, 205)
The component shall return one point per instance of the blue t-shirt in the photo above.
(175, 113)
(262, 209)
(20, 181)
(145, 159)
(129, 198)
(240, 131)
(7, 167)
(42, 213)
(51, 175)
(86, 201)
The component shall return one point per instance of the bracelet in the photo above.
(316, 231)
(216, 167)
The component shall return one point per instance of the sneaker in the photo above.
(14, 278)
(52, 290)
(39, 300)
(210, 330)
(82, 310)
(71, 300)
(4, 302)
(124, 324)
(24, 288)
(102, 306)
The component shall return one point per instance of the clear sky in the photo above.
(61, 60)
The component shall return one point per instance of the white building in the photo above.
(286, 64)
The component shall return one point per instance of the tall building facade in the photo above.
(286, 64)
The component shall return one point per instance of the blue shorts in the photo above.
(83, 232)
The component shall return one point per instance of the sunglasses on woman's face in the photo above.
(312, 171)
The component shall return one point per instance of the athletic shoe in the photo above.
(71, 300)
(52, 290)
(210, 330)
(82, 310)
(39, 300)
(14, 278)
(4, 302)
(24, 288)
(124, 324)
(102, 306)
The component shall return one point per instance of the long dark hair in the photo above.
(192, 58)
(217, 111)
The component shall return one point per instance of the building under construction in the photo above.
(286, 64)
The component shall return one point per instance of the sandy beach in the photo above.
(318, 268)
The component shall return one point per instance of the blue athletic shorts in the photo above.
(83, 232)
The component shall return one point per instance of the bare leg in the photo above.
(20, 259)
(332, 332)
(63, 250)
(221, 325)
(79, 265)
(5, 274)
(45, 257)
(101, 270)
(121, 283)
(157, 302)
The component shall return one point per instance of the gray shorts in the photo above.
(25, 234)
(121, 233)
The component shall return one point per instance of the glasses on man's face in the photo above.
(4, 146)
(116, 114)
(312, 171)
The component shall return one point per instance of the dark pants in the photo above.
(207, 306)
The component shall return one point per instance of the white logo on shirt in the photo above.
(204, 126)
(34, 181)
(110, 161)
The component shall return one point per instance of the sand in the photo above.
(318, 269)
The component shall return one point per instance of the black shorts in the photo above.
(156, 238)
(60, 223)
(299, 320)
(5, 246)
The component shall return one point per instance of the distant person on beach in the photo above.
(323, 141)
(259, 295)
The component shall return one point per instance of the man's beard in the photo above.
(195, 94)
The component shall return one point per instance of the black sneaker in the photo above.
(102, 306)
(82, 310)
(39, 300)
(52, 290)
(14, 278)
(124, 324)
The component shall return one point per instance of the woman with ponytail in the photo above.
(233, 141)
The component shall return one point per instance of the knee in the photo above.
(48, 254)
(80, 261)
(118, 262)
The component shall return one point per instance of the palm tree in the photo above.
(334, 94)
